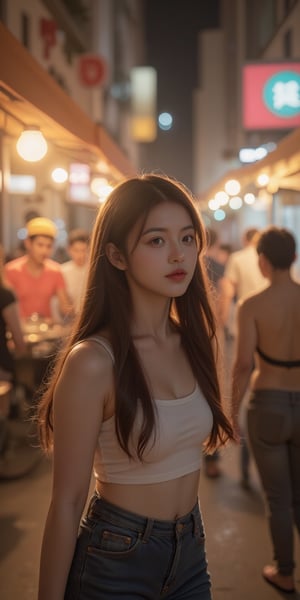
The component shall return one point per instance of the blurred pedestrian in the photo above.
(34, 277)
(215, 268)
(269, 330)
(242, 277)
(10, 327)
(75, 270)
(223, 253)
(134, 396)
(215, 271)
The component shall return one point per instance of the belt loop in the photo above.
(147, 531)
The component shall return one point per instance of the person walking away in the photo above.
(214, 266)
(75, 270)
(215, 271)
(269, 331)
(34, 277)
(134, 397)
(242, 277)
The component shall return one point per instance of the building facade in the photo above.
(252, 33)
(65, 69)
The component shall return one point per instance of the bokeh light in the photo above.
(165, 121)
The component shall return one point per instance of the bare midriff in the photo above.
(167, 500)
(266, 376)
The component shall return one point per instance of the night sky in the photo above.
(171, 37)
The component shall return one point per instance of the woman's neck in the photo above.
(151, 321)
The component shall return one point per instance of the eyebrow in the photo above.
(164, 229)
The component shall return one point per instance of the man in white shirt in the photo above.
(242, 276)
(75, 270)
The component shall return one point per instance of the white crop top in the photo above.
(182, 425)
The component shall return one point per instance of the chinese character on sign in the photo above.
(48, 33)
(286, 94)
(281, 94)
(271, 95)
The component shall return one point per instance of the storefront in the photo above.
(262, 186)
(267, 190)
(29, 97)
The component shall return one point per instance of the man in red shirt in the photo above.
(34, 277)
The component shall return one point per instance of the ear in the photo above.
(27, 243)
(115, 257)
(264, 265)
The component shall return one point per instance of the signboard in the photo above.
(79, 178)
(48, 29)
(271, 95)
(92, 70)
(143, 82)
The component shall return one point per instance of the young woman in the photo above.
(269, 329)
(133, 398)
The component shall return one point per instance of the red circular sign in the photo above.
(92, 70)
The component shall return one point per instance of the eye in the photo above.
(189, 238)
(156, 242)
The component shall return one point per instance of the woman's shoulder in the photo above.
(296, 285)
(105, 344)
(92, 355)
(245, 303)
(251, 305)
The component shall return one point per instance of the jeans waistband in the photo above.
(102, 509)
(275, 394)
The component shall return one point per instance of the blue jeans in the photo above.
(120, 554)
(274, 432)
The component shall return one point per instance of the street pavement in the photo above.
(238, 544)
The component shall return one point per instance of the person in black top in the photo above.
(269, 332)
(9, 323)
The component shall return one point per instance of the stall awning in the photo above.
(282, 167)
(30, 96)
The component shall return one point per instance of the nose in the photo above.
(176, 254)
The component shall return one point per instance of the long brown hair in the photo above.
(107, 305)
(1, 264)
(3, 282)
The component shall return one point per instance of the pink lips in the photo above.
(177, 275)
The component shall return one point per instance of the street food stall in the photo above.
(43, 339)
(19, 447)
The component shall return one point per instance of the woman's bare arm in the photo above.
(244, 358)
(79, 402)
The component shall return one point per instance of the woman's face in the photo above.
(161, 258)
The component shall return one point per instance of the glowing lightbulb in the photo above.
(31, 145)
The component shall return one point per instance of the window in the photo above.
(2, 11)
(287, 44)
(288, 4)
(25, 33)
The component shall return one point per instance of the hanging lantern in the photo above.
(31, 145)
